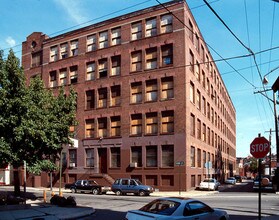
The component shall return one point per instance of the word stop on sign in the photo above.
(259, 147)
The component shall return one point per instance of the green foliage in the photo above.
(42, 165)
(33, 122)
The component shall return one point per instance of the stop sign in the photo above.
(259, 147)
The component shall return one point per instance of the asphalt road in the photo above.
(239, 201)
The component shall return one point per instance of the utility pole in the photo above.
(275, 88)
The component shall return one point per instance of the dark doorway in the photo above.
(103, 167)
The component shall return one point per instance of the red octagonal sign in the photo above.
(259, 147)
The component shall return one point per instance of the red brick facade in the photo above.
(148, 97)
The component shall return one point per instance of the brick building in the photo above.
(149, 96)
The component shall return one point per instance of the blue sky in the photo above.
(255, 23)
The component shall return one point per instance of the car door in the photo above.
(198, 211)
(125, 186)
(133, 186)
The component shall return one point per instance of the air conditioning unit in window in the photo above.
(72, 165)
(135, 164)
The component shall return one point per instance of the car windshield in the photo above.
(161, 207)
(138, 182)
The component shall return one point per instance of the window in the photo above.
(197, 71)
(102, 127)
(115, 65)
(91, 43)
(151, 91)
(63, 77)
(202, 54)
(167, 122)
(193, 157)
(90, 99)
(151, 123)
(203, 106)
(198, 98)
(151, 156)
(73, 158)
(115, 98)
(150, 27)
(167, 156)
(116, 36)
(136, 30)
(74, 47)
(74, 74)
(192, 92)
(199, 129)
(199, 158)
(52, 79)
(63, 51)
(89, 128)
(89, 157)
(191, 31)
(193, 181)
(192, 125)
(151, 58)
(90, 71)
(191, 61)
(102, 98)
(136, 155)
(167, 88)
(196, 42)
(204, 132)
(36, 59)
(103, 40)
(136, 61)
(53, 54)
(136, 124)
(203, 158)
(115, 157)
(166, 23)
(115, 126)
(208, 135)
(167, 55)
(103, 68)
(136, 92)
(203, 79)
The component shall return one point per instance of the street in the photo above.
(238, 200)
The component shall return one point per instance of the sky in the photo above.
(248, 27)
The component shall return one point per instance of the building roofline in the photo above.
(116, 19)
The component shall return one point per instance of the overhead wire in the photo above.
(182, 22)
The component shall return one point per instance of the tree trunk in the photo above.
(16, 182)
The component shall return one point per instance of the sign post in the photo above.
(259, 148)
(179, 163)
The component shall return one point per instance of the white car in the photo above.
(174, 208)
(230, 180)
(209, 184)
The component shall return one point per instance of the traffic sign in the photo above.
(259, 147)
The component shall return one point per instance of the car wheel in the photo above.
(95, 191)
(118, 192)
(141, 193)
(73, 190)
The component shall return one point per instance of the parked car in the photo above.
(209, 184)
(87, 186)
(266, 183)
(238, 178)
(126, 185)
(171, 208)
(230, 180)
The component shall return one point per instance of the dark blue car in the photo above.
(125, 185)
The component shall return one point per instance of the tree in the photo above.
(34, 123)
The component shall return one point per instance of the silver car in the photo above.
(174, 208)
